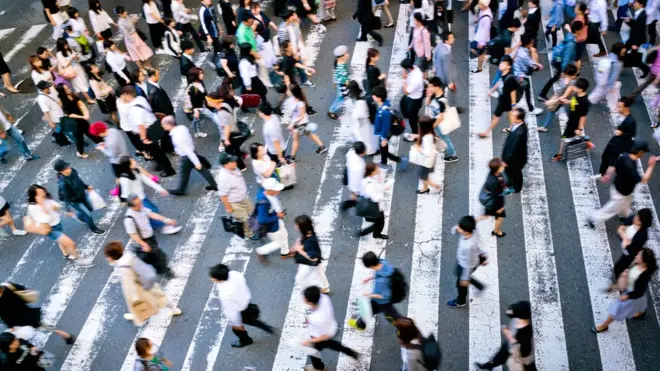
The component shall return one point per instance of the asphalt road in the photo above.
(544, 258)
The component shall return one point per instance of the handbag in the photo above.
(486, 199)
(28, 296)
(103, 106)
(250, 313)
(32, 226)
(377, 24)
(69, 124)
(301, 259)
(450, 121)
(366, 208)
(415, 156)
(287, 174)
(96, 200)
(67, 72)
(251, 100)
(233, 225)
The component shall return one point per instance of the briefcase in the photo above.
(233, 225)
(250, 100)
(576, 147)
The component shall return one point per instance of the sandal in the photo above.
(498, 235)
(557, 158)
(476, 71)
(595, 329)
(639, 315)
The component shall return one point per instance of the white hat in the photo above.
(271, 184)
(340, 50)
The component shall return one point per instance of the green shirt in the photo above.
(245, 34)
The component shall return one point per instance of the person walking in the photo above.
(625, 178)
(272, 133)
(19, 354)
(492, 196)
(514, 152)
(373, 188)
(374, 78)
(196, 106)
(524, 65)
(158, 99)
(149, 358)
(507, 95)
(361, 129)
(235, 299)
(410, 338)
(425, 144)
(608, 73)
(7, 129)
(155, 22)
(323, 328)
(144, 297)
(299, 123)
(232, 135)
(413, 97)
(6, 219)
(132, 178)
(51, 106)
(116, 60)
(100, 20)
(380, 297)
(270, 215)
(137, 49)
(182, 17)
(517, 350)
(114, 145)
(383, 124)
(5, 72)
(469, 256)
(633, 235)
(76, 111)
(340, 80)
(245, 32)
(366, 18)
(104, 93)
(308, 255)
(633, 284)
(598, 19)
(172, 39)
(444, 65)
(568, 51)
(184, 146)
(435, 105)
(39, 70)
(420, 44)
(354, 173)
(652, 20)
(577, 114)
(209, 25)
(622, 140)
(249, 72)
(637, 37)
(233, 192)
(555, 23)
(69, 67)
(289, 31)
(74, 192)
(264, 167)
(482, 33)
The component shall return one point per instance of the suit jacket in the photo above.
(443, 61)
(159, 100)
(364, 13)
(185, 65)
(637, 29)
(514, 152)
(532, 24)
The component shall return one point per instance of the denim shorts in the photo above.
(56, 231)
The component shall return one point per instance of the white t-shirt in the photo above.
(41, 76)
(150, 8)
(295, 113)
(139, 219)
(141, 114)
(260, 167)
(272, 131)
(50, 103)
(47, 216)
(322, 320)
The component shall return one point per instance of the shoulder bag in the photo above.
(366, 208)
(28, 296)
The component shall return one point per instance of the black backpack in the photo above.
(431, 354)
(397, 126)
(399, 286)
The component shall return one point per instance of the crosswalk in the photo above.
(202, 346)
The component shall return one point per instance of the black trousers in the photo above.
(502, 356)
(257, 87)
(607, 159)
(553, 35)
(236, 140)
(216, 45)
(377, 228)
(391, 314)
(156, 32)
(385, 154)
(167, 8)
(367, 30)
(135, 140)
(515, 176)
(82, 130)
(106, 34)
(156, 150)
(552, 81)
(635, 60)
(156, 257)
(330, 344)
(526, 88)
(188, 29)
(186, 167)
(653, 34)
(121, 80)
(593, 36)
(463, 290)
(410, 110)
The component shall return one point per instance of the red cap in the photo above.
(98, 128)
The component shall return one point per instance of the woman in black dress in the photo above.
(633, 234)
(492, 196)
(374, 76)
(75, 109)
(6, 76)
(226, 65)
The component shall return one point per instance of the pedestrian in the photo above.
(514, 152)
(265, 42)
(235, 297)
(5, 72)
(373, 188)
(229, 17)
(54, 16)
(374, 76)
(425, 144)
(226, 62)
(270, 215)
(361, 129)
(69, 67)
(79, 32)
(444, 65)
(116, 60)
(287, 69)
(308, 254)
(323, 328)
(158, 99)
(532, 19)
(133, 178)
(654, 71)
(139, 223)
(633, 234)
(75, 194)
(598, 19)
(435, 105)
(184, 146)
(232, 135)
(555, 23)
(582, 35)
(354, 173)
(248, 71)
(413, 97)
(186, 64)
(137, 49)
(149, 357)
(299, 122)
(104, 93)
(624, 172)
(383, 125)
(469, 256)
(577, 114)
(172, 39)
(622, 140)
(340, 79)
(420, 44)
(6, 219)
(195, 106)
(307, 9)
(492, 196)
(43, 213)
(233, 192)
(365, 16)
(622, 13)
(39, 72)
(272, 134)
(155, 22)
(410, 338)
(245, 32)
(114, 145)
(46, 58)
(145, 125)
(652, 20)
(7, 129)
(19, 354)
(608, 73)
(140, 83)
(77, 112)
(568, 51)
(380, 297)
(100, 20)
(209, 25)
(263, 166)
(144, 298)
(126, 125)
(482, 34)
(51, 106)
(384, 6)
(637, 37)
(633, 284)
(524, 65)
(517, 350)
(289, 31)
(182, 17)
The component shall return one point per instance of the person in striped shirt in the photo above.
(340, 80)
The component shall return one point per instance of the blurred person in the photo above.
(492, 196)
(481, 34)
(272, 133)
(233, 192)
(524, 65)
(197, 94)
(6, 219)
(637, 37)
(74, 192)
(469, 256)
(209, 25)
(137, 49)
(354, 173)
(569, 48)
(116, 60)
(383, 124)
(425, 144)
(186, 64)
(249, 72)
(633, 235)
(104, 93)
(172, 39)
(623, 138)
(19, 354)
(39, 70)
(75, 109)
(149, 357)
(132, 179)
(155, 22)
(182, 17)
(444, 65)
(340, 79)
(374, 76)
(270, 215)
(51, 106)
(608, 73)
(413, 97)
(232, 135)
(365, 16)
(68, 60)
(159, 100)
(373, 188)
(114, 145)
(100, 20)
(361, 129)
(308, 254)
(598, 19)
(578, 108)
(7, 129)
(264, 167)
(435, 105)
(410, 338)
(299, 122)
(420, 44)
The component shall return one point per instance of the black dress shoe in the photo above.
(423, 192)
(70, 340)
(240, 344)
(210, 188)
(175, 192)
(382, 236)
(165, 174)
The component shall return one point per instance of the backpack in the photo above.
(557, 53)
(253, 222)
(431, 354)
(399, 286)
(397, 126)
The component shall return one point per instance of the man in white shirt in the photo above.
(482, 34)
(597, 25)
(117, 62)
(7, 129)
(413, 90)
(272, 132)
(235, 296)
(322, 326)
(184, 146)
(354, 173)
(50, 103)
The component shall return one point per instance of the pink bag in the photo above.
(61, 80)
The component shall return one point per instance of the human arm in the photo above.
(226, 204)
(151, 184)
(426, 36)
(83, 108)
(649, 170)
(225, 66)
(162, 218)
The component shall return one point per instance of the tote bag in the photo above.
(451, 121)
(96, 200)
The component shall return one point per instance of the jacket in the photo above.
(185, 66)
(14, 311)
(71, 188)
(266, 215)
(159, 100)
(142, 303)
(383, 120)
(208, 26)
(383, 282)
(556, 15)
(514, 152)
(532, 23)
(568, 53)
(444, 64)
(637, 29)
(364, 13)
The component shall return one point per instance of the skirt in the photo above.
(622, 310)
(3, 66)
(136, 48)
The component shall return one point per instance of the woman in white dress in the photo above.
(361, 129)
(100, 20)
(262, 165)
(69, 68)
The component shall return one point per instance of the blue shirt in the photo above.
(383, 120)
(383, 282)
(266, 215)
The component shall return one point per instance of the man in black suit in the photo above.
(187, 63)
(533, 21)
(514, 153)
(161, 104)
(637, 37)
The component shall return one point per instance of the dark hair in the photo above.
(525, 39)
(90, 74)
(445, 35)
(371, 54)
(305, 225)
(41, 50)
(254, 150)
(194, 74)
(571, 70)
(380, 92)
(71, 12)
(425, 127)
(227, 42)
(645, 217)
(468, 223)
(124, 168)
(219, 272)
(515, 23)
(359, 147)
(142, 344)
(130, 90)
(577, 26)
(151, 72)
(407, 64)
(627, 101)
(297, 92)
(581, 6)
(494, 165)
(312, 294)
(617, 47)
(535, 2)
(435, 81)
(32, 193)
(582, 83)
(114, 250)
(62, 46)
(287, 14)
(520, 113)
(639, 146)
(246, 52)
(648, 257)
(284, 45)
(407, 331)
(641, 2)
(119, 10)
(369, 169)
(146, 1)
(6, 338)
(95, 5)
(254, 4)
(187, 45)
(419, 17)
(369, 259)
(167, 21)
(108, 43)
(354, 90)
(265, 108)
(507, 58)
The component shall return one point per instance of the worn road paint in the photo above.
(27, 37)
(6, 32)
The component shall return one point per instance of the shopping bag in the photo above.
(364, 309)
(233, 225)
(26, 86)
(450, 121)
(287, 174)
(32, 226)
(415, 156)
(96, 200)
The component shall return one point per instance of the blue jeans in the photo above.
(302, 74)
(203, 113)
(155, 224)
(450, 150)
(337, 103)
(84, 212)
(549, 117)
(56, 231)
(20, 142)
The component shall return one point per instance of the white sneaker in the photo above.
(171, 229)
(596, 177)
(161, 51)
(537, 111)
(221, 148)
(322, 28)
(200, 134)
(19, 232)
(128, 316)
(175, 312)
